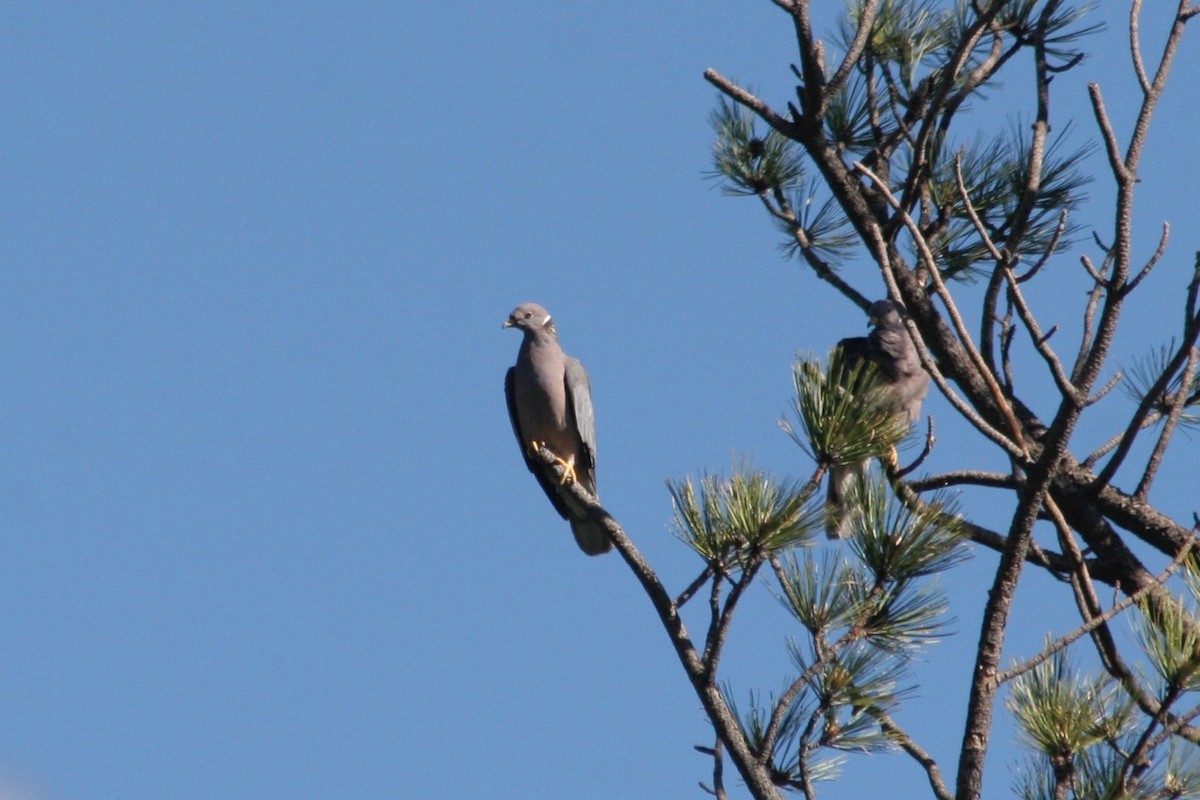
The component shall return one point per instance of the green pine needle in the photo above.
(721, 519)
(750, 163)
(822, 596)
(844, 418)
(907, 33)
(905, 616)
(1167, 632)
(1062, 712)
(995, 172)
(899, 543)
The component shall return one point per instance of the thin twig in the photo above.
(1135, 47)
(1115, 162)
(1048, 560)
(906, 743)
(930, 439)
(1158, 253)
(693, 587)
(1093, 623)
(1164, 437)
(747, 99)
(1065, 387)
(1113, 382)
(995, 480)
(973, 215)
(866, 22)
(1051, 250)
(1106, 448)
(1158, 389)
(718, 787)
(823, 270)
(716, 636)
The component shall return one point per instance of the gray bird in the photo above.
(550, 404)
(904, 382)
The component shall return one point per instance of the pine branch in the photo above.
(1096, 621)
(906, 743)
(694, 587)
(757, 779)
(1175, 409)
(1013, 443)
(995, 480)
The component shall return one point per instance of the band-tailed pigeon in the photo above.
(904, 383)
(550, 404)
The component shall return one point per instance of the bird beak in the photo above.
(508, 323)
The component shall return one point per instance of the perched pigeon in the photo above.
(550, 405)
(904, 383)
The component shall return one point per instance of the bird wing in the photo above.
(579, 398)
(855, 350)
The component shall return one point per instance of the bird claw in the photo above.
(567, 464)
(568, 467)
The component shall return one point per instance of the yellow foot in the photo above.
(892, 459)
(568, 475)
(567, 464)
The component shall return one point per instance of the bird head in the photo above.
(883, 313)
(529, 318)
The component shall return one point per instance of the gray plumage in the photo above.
(550, 403)
(904, 382)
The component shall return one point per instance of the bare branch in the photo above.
(1094, 622)
(693, 587)
(1065, 387)
(1162, 246)
(866, 21)
(1101, 281)
(1059, 230)
(782, 211)
(920, 459)
(906, 743)
(973, 215)
(718, 787)
(740, 95)
(1175, 409)
(715, 706)
(1135, 46)
(1113, 382)
(995, 480)
(1152, 95)
(1106, 448)
(1115, 162)
(1050, 561)
(1158, 389)
(715, 641)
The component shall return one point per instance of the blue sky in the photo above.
(264, 531)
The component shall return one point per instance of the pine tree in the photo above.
(880, 160)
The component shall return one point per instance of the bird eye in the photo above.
(528, 314)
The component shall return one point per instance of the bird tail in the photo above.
(838, 513)
(591, 536)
